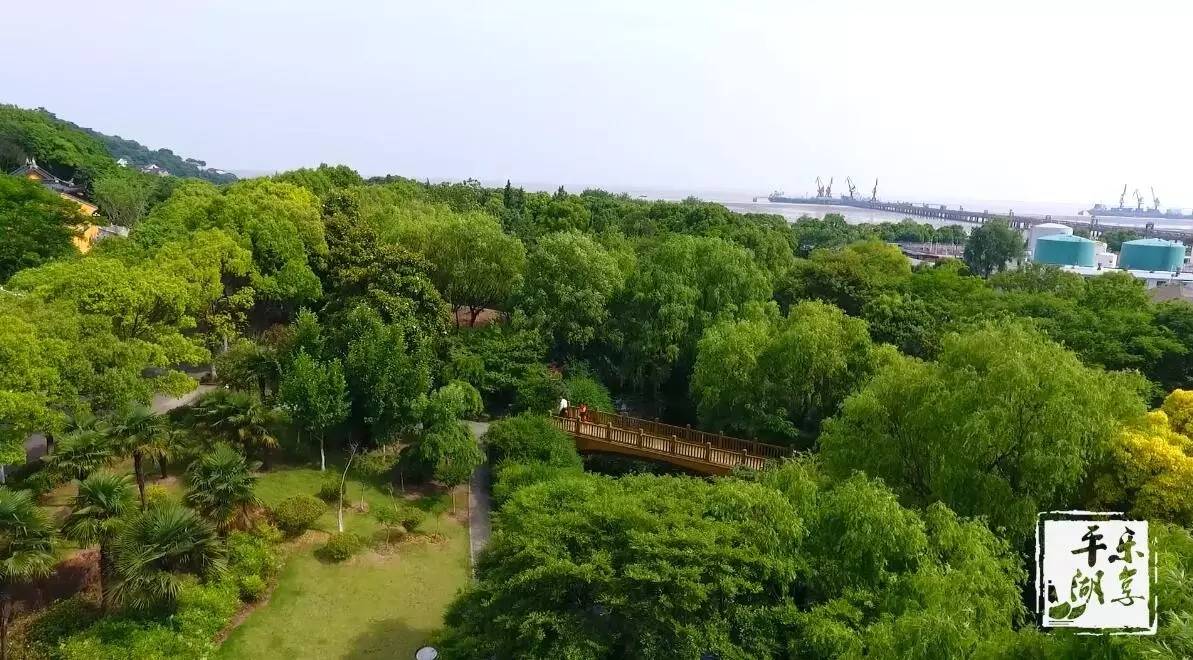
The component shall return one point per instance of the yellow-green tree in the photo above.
(1151, 464)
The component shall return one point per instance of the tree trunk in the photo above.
(322, 455)
(5, 608)
(161, 465)
(49, 444)
(105, 568)
(475, 312)
(139, 470)
(343, 479)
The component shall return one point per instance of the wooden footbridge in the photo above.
(691, 449)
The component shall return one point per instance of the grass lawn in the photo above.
(373, 605)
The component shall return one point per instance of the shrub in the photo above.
(329, 490)
(156, 495)
(410, 518)
(585, 389)
(252, 588)
(529, 437)
(202, 611)
(342, 545)
(267, 531)
(295, 514)
(57, 622)
(510, 477)
(394, 516)
(538, 390)
(249, 554)
(40, 482)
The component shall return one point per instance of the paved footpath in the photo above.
(479, 507)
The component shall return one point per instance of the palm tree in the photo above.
(241, 418)
(221, 488)
(157, 548)
(140, 433)
(81, 452)
(97, 514)
(27, 550)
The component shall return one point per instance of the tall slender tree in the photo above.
(316, 395)
(97, 514)
(141, 434)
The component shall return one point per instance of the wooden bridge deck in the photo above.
(691, 449)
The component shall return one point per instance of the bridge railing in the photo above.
(693, 436)
(650, 443)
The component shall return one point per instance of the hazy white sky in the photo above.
(1014, 102)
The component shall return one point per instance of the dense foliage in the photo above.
(35, 225)
(940, 407)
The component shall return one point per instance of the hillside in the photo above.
(82, 153)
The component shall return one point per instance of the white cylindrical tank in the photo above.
(1045, 229)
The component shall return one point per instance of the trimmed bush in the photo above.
(295, 515)
(267, 531)
(252, 588)
(156, 495)
(249, 554)
(341, 546)
(410, 518)
(529, 437)
(329, 490)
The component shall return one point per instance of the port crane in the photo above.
(852, 188)
(1155, 200)
(874, 193)
(1122, 198)
(819, 188)
(828, 190)
(1138, 200)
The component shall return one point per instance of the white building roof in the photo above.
(1155, 275)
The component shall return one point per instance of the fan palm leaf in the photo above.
(156, 551)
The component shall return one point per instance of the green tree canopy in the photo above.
(35, 225)
(474, 264)
(682, 286)
(778, 378)
(570, 281)
(992, 246)
(1005, 424)
(846, 277)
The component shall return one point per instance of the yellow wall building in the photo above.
(88, 232)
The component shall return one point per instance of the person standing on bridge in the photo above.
(563, 407)
(583, 412)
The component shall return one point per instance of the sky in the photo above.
(1016, 101)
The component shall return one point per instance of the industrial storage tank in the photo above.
(1044, 229)
(1152, 254)
(1065, 250)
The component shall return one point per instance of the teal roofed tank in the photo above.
(1064, 250)
(1152, 254)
